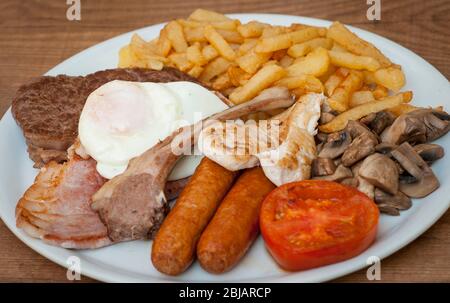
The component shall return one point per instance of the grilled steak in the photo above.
(48, 108)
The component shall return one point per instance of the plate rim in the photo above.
(100, 274)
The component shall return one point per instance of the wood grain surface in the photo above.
(35, 36)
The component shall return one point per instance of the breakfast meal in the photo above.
(217, 131)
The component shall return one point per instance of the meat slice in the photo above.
(56, 208)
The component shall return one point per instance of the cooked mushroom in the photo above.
(382, 120)
(418, 126)
(385, 148)
(356, 128)
(353, 182)
(389, 210)
(340, 174)
(418, 168)
(367, 119)
(364, 186)
(323, 167)
(321, 137)
(380, 171)
(429, 152)
(399, 200)
(361, 147)
(335, 145)
(326, 117)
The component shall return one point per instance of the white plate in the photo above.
(130, 262)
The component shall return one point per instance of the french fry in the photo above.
(195, 34)
(209, 52)
(272, 31)
(231, 36)
(340, 98)
(277, 55)
(332, 83)
(361, 97)
(238, 76)
(306, 34)
(340, 121)
(339, 48)
(402, 109)
(204, 15)
(140, 48)
(219, 43)
(369, 78)
(176, 36)
(163, 45)
(380, 92)
(298, 92)
(274, 43)
(226, 24)
(155, 64)
(308, 82)
(253, 29)
(181, 61)
(246, 46)
(194, 54)
(261, 80)
(222, 82)
(214, 68)
(353, 61)
(252, 61)
(353, 43)
(302, 49)
(126, 57)
(392, 78)
(195, 71)
(286, 61)
(315, 63)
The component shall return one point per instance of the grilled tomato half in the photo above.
(312, 223)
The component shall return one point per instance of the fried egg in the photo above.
(122, 119)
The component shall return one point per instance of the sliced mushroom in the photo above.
(382, 120)
(388, 209)
(429, 152)
(367, 119)
(321, 137)
(340, 174)
(380, 171)
(364, 186)
(385, 148)
(356, 128)
(399, 200)
(353, 182)
(326, 117)
(361, 147)
(335, 145)
(418, 126)
(323, 167)
(419, 169)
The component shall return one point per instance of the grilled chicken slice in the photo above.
(288, 150)
(56, 208)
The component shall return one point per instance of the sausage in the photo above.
(174, 246)
(235, 225)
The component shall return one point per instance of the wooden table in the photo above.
(35, 36)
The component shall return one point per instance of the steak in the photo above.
(48, 108)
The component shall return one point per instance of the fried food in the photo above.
(174, 246)
(234, 227)
(363, 110)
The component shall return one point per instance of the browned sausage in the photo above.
(174, 245)
(235, 225)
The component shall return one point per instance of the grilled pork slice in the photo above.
(56, 208)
